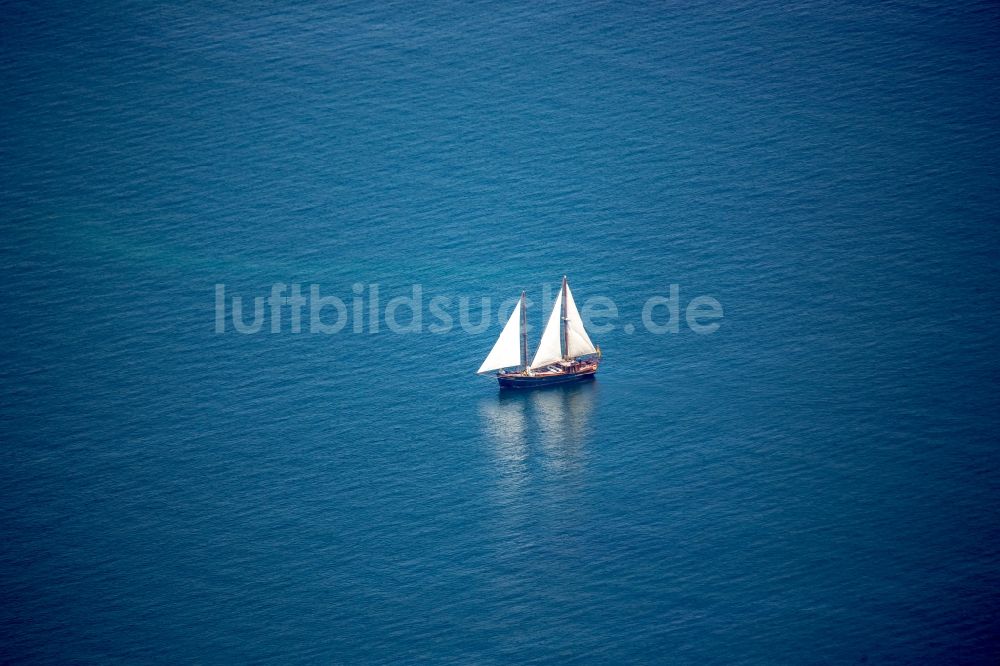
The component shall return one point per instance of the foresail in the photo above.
(550, 347)
(577, 339)
(506, 353)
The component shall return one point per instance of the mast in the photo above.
(562, 317)
(524, 334)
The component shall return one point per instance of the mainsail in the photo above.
(506, 352)
(577, 342)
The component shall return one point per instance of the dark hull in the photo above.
(519, 381)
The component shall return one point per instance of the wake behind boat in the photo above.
(565, 353)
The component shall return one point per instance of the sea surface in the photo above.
(816, 481)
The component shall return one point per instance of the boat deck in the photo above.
(555, 373)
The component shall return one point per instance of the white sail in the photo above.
(506, 353)
(577, 340)
(550, 347)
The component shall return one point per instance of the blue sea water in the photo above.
(815, 482)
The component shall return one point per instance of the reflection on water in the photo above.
(563, 418)
(506, 424)
(556, 420)
(539, 442)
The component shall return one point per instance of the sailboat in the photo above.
(565, 353)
